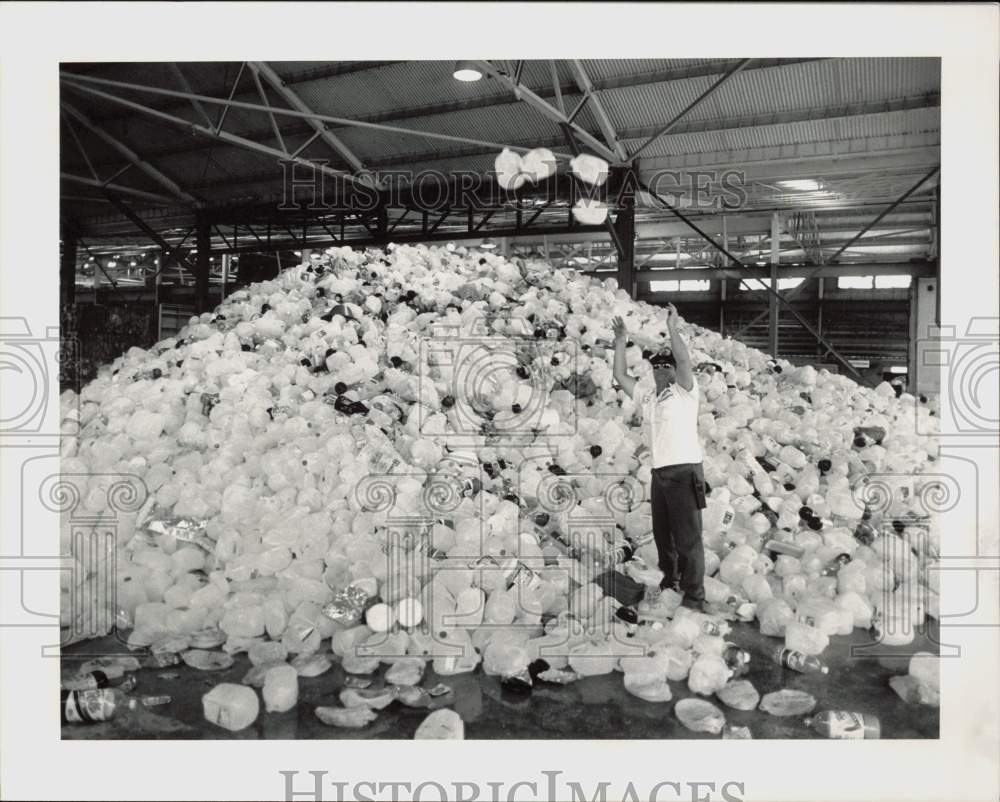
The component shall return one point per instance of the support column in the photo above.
(625, 228)
(383, 226)
(925, 370)
(937, 250)
(820, 351)
(227, 259)
(723, 283)
(67, 270)
(772, 316)
(204, 245)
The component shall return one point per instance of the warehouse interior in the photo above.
(173, 176)
(791, 204)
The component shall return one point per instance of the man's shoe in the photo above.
(698, 605)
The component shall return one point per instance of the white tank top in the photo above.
(671, 419)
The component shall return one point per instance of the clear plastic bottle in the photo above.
(833, 567)
(92, 706)
(797, 661)
(737, 658)
(781, 547)
(866, 533)
(712, 627)
(843, 724)
(98, 679)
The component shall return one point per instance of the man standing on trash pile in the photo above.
(668, 401)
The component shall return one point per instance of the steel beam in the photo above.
(203, 239)
(186, 86)
(67, 269)
(773, 311)
(693, 104)
(625, 250)
(405, 237)
(263, 99)
(80, 83)
(934, 171)
(667, 75)
(79, 147)
(922, 269)
(91, 182)
(229, 101)
(624, 226)
(603, 120)
(141, 224)
(548, 110)
(132, 157)
(231, 139)
(293, 100)
(795, 290)
(736, 274)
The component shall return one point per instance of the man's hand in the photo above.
(672, 316)
(618, 327)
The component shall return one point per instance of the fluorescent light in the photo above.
(892, 282)
(899, 369)
(466, 71)
(802, 185)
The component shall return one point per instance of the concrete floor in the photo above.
(596, 706)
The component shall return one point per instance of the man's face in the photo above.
(664, 375)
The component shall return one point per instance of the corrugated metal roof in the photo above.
(735, 118)
(895, 123)
(792, 87)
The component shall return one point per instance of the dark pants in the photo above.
(677, 498)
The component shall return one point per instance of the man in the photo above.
(669, 404)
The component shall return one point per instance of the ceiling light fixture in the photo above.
(466, 71)
(802, 185)
(488, 244)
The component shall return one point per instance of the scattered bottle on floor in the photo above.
(348, 407)
(161, 660)
(781, 547)
(92, 706)
(833, 567)
(797, 661)
(710, 627)
(865, 533)
(98, 679)
(519, 682)
(155, 701)
(737, 658)
(843, 724)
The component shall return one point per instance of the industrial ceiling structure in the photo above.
(813, 137)
(816, 165)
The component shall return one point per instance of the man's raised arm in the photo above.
(685, 375)
(620, 373)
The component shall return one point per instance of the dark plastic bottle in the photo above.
(797, 661)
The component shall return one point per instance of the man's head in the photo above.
(664, 369)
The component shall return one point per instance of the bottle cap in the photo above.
(825, 670)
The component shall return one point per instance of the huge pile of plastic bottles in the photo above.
(419, 455)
